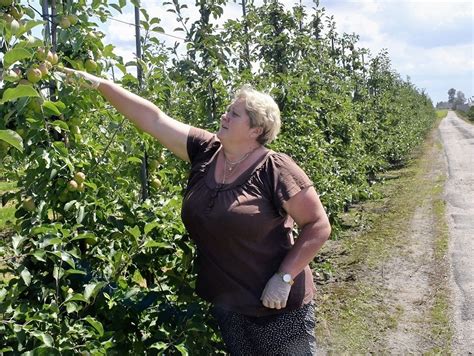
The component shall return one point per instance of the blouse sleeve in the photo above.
(287, 179)
(199, 143)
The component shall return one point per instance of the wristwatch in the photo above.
(286, 277)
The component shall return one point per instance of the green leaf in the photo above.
(50, 108)
(53, 173)
(52, 242)
(76, 297)
(150, 226)
(17, 240)
(12, 138)
(69, 204)
(116, 7)
(91, 185)
(42, 229)
(66, 257)
(15, 54)
(135, 232)
(181, 348)
(160, 345)
(138, 279)
(72, 307)
(153, 243)
(28, 25)
(58, 273)
(46, 339)
(91, 290)
(80, 214)
(60, 147)
(19, 91)
(74, 272)
(134, 160)
(59, 124)
(39, 255)
(96, 324)
(122, 68)
(86, 236)
(43, 351)
(26, 276)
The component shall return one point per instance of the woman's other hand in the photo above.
(275, 294)
(81, 78)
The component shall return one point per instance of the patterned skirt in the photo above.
(288, 333)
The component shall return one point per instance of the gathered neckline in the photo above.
(244, 176)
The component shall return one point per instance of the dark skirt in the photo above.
(288, 333)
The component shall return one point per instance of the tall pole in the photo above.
(54, 43)
(143, 168)
(246, 30)
(46, 19)
(138, 46)
(54, 26)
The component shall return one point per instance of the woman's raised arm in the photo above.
(147, 116)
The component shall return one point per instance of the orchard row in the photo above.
(94, 268)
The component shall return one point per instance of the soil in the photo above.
(458, 142)
(412, 274)
(410, 280)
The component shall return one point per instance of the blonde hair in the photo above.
(263, 112)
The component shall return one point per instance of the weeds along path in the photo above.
(458, 142)
(414, 277)
(390, 292)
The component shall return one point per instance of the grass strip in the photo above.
(7, 213)
(352, 314)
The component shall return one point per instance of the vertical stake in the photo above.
(246, 30)
(46, 19)
(143, 168)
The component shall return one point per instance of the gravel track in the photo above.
(458, 141)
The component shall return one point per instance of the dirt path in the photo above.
(413, 268)
(458, 143)
(413, 274)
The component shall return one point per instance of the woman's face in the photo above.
(235, 124)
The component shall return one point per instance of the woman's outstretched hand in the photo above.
(81, 78)
(275, 294)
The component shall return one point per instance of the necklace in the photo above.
(233, 165)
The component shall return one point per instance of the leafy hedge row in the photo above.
(98, 270)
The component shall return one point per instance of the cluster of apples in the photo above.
(47, 60)
(12, 15)
(153, 165)
(37, 71)
(67, 21)
(75, 184)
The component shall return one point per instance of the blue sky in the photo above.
(429, 41)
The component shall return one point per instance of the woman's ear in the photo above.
(256, 132)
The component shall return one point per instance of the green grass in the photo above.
(352, 314)
(7, 213)
(441, 309)
(463, 115)
(5, 186)
(441, 113)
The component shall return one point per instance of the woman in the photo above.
(240, 206)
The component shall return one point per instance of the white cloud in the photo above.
(425, 39)
(431, 41)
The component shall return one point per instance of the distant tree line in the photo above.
(456, 101)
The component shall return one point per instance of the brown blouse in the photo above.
(241, 230)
